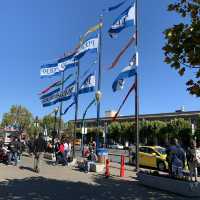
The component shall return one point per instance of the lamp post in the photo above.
(54, 128)
(98, 96)
(36, 124)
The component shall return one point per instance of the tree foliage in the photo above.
(151, 132)
(18, 117)
(182, 48)
(49, 122)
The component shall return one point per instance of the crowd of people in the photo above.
(179, 158)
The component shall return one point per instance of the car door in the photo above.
(142, 156)
(147, 157)
(151, 157)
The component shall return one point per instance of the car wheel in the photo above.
(161, 166)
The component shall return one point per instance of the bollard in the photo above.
(107, 173)
(122, 169)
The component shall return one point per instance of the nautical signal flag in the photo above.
(125, 19)
(67, 62)
(89, 45)
(55, 84)
(91, 30)
(88, 84)
(127, 72)
(52, 69)
(121, 53)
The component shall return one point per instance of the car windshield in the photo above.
(161, 150)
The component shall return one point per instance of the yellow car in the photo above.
(152, 156)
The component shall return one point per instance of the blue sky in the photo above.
(35, 32)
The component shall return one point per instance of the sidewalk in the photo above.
(61, 183)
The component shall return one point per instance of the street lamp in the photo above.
(98, 96)
(36, 125)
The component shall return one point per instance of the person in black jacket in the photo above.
(39, 146)
(14, 148)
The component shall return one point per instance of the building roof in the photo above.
(149, 116)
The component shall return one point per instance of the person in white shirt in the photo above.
(66, 150)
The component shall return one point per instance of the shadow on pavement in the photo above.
(26, 168)
(50, 189)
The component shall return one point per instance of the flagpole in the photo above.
(76, 107)
(136, 88)
(61, 103)
(98, 93)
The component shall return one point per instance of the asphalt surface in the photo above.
(62, 183)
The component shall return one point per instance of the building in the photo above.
(189, 115)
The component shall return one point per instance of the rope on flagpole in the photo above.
(123, 102)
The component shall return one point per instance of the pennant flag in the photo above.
(49, 70)
(88, 84)
(125, 73)
(126, 19)
(50, 93)
(68, 92)
(67, 62)
(66, 110)
(91, 30)
(56, 84)
(130, 90)
(50, 98)
(88, 70)
(115, 62)
(115, 7)
(89, 45)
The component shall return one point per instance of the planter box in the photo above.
(97, 167)
(184, 188)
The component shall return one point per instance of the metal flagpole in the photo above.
(98, 93)
(136, 88)
(61, 104)
(76, 106)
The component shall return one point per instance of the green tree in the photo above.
(19, 117)
(182, 48)
(114, 131)
(197, 131)
(181, 129)
(48, 122)
(127, 132)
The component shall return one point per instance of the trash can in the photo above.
(102, 155)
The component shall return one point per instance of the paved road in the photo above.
(61, 183)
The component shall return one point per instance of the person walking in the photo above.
(192, 159)
(66, 150)
(13, 148)
(177, 159)
(39, 146)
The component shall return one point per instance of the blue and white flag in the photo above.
(49, 70)
(88, 45)
(67, 62)
(88, 84)
(51, 98)
(115, 6)
(68, 92)
(49, 94)
(127, 72)
(126, 19)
